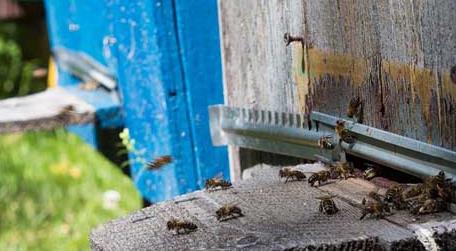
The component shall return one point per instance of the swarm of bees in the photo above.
(355, 109)
(432, 196)
(228, 212)
(181, 226)
(327, 205)
(159, 162)
(287, 173)
(217, 183)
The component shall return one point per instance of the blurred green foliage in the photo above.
(51, 191)
(15, 73)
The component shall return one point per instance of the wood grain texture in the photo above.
(395, 55)
(277, 216)
(44, 111)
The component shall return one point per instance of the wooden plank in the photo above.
(396, 55)
(278, 216)
(44, 111)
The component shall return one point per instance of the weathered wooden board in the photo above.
(44, 111)
(396, 55)
(278, 216)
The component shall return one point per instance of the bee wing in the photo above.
(218, 176)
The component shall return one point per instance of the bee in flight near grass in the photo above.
(327, 205)
(181, 226)
(217, 183)
(228, 212)
(291, 174)
(159, 162)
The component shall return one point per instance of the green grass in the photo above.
(51, 191)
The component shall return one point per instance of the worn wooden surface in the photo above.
(44, 111)
(278, 216)
(396, 55)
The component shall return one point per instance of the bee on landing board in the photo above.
(374, 208)
(291, 174)
(320, 177)
(181, 226)
(432, 206)
(228, 212)
(344, 170)
(327, 205)
(343, 132)
(159, 162)
(217, 183)
(394, 195)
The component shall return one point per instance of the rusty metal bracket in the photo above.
(297, 135)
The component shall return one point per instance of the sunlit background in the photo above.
(54, 188)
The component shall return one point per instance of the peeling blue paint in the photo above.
(167, 58)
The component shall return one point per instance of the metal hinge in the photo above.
(297, 135)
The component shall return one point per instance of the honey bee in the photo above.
(344, 170)
(394, 196)
(181, 226)
(327, 205)
(321, 176)
(353, 106)
(343, 132)
(291, 174)
(375, 196)
(439, 187)
(374, 208)
(228, 212)
(159, 162)
(325, 142)
(370, 172)
(413, 191)
(217, 183)
(432, 206)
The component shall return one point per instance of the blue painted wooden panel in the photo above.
(151, 82)
(198, 36)
(167, 59)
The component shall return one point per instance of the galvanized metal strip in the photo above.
(283, 134)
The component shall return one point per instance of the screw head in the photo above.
(453, 74)
(286, 38)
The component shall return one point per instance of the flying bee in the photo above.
(291, 174)
(353, 106)
(228, 212)
(159, 162)
(321, 176)
(181, 226)
(344, 170)
(343, 132)
(394, 196)
(327, 205)
(374, 208)
(217, 183)
(432, 206)
(325, 142)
